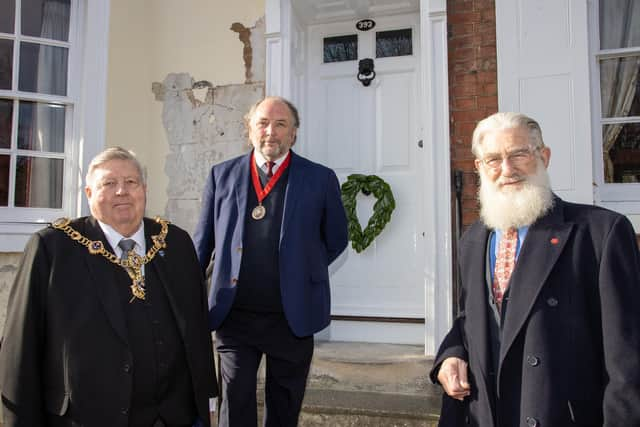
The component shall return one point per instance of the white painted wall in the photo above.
(152, 38)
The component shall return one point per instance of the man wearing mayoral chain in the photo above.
(107, 317)
(549, 329)
(275, 221)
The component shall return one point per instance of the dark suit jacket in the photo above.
(65, 355)
(313, 234)
(570, 338)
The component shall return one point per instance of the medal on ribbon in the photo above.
(259, 211)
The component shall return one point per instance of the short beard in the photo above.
(521, 207)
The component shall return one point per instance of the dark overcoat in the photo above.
(65, 358)
(570, 336)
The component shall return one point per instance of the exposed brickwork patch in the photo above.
(473, 89)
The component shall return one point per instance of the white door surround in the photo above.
(285, 40)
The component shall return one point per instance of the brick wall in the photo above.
(473, 87)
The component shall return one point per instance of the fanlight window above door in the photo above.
(340, 48)
(394, 43)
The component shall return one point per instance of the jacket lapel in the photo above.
(242, 176)
(165, 274)
(295, 184)
(541, 249)
(103, 277)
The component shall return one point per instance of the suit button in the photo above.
(126, 368)
(552, 302)
(532, 422)
(234, 281)
(124, 411)
(533, 360)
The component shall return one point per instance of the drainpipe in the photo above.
(458, 185)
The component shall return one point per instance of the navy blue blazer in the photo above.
(313, 234)
(571, 330)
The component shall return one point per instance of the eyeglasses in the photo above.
(515, 158)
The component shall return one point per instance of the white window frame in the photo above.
(85, 130)
(623, 198)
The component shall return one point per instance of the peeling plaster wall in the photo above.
(150, 39)
(8, 270)
(201, 131)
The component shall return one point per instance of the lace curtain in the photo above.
(619, 27)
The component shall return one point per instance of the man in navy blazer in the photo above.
(274, 221)
(560, 346)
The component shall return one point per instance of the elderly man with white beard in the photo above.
(549, 331)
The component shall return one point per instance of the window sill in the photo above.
(14, 236)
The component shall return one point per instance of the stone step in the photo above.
(354, 384)
(385, 368)
(339, 408)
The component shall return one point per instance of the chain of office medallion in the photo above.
(96, 247)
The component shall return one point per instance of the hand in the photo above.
(453, 378)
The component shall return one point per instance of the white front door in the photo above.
(373, 130)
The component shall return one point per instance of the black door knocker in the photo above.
(365, 71)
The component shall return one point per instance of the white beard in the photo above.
(503, 209)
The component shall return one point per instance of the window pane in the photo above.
(43, 69)
(619, 87)
(38, 182)
(4, 180)
(46, 18)
(393, 43)
(6, 113)
(6, 63)
(619, 24)
(341, 48)
(7, 17)
(41, 127)
(621, 152)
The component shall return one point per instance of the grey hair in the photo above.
(292, 109)
(502, 121)
(115, 153)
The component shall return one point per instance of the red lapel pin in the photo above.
(554, 240)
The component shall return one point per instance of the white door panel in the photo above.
(373, 130)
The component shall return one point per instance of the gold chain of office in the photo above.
(382, 209)
(132, 263)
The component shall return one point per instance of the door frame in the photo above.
(283, 78)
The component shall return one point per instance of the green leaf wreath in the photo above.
(382, 209)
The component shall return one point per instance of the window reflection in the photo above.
(394, 43)
(341, 48)
(8, 15)
(619, 24)
(6, 113)
(620, 87)
(6, 63)
(46, 18)
(43, 69)
(622, 152)
(41, 127)
(4, 180)
(38, 182)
